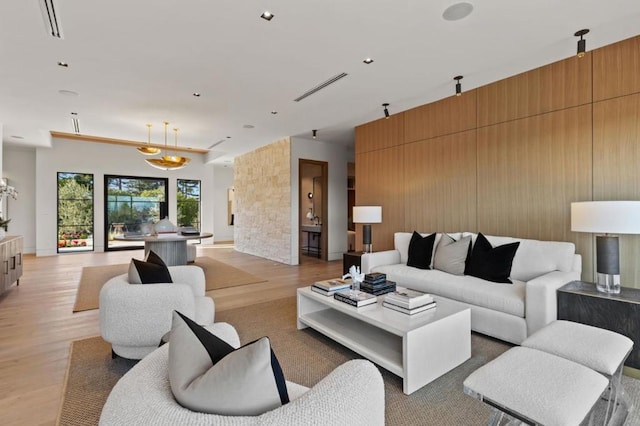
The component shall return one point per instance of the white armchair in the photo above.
(352, 394)
(134, 317)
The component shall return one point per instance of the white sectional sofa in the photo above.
(509, 312)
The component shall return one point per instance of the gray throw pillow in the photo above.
(207, 375)
(451, 255)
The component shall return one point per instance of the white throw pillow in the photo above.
(208, 375)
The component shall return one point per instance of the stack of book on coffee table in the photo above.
(376, 283)
(409, 301)
(355, 298)
(329, 287)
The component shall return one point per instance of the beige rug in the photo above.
(306, 357)
(217, 274)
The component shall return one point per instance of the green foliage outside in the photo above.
(188, 203)
(188, 211)
(75, 206)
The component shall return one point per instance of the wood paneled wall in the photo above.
(616, 159)
(551, 88)
(509, 158)
(440, 183)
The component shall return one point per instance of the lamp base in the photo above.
(366, 239)
(608, 283)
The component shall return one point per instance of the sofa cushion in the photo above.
(509, 299)
(421, 251)
(535, 258)
(451, 255)
(208, 375)
(152, 270)
(491, 263)
(401, 242)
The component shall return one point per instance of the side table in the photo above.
(349, 259)
(581, 302)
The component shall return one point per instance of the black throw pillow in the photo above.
(152, 270)
(421, 250)
(491, 263)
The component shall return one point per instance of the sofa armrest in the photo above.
(191, 275)
(541, 301)
(368, 261)
(139, 314)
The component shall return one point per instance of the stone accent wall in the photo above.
(262, 181)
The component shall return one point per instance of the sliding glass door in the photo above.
(129, 202)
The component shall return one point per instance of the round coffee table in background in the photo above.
(172, 248)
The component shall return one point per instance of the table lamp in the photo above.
(606, 217)
(367, 215)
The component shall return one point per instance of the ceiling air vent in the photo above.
(321, 86)
(51, 22)
(216, 144)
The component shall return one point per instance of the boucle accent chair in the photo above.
(134, 317)
(352, 394)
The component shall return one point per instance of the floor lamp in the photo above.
(367, 215)
(606, 217)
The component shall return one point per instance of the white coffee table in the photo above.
(419, 348)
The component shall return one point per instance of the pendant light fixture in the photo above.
(148, 149)
(169, 162)
(458, 85)
(582, 43)
(386, 111)
(315, 133)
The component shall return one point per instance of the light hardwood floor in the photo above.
(37, 323)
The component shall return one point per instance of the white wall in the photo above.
(337, 156)
(20, 169)
(223, 180)
(1, 149)
(100, 159)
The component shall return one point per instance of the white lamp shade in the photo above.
(367, 214)
(606, 217)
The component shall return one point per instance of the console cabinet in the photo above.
(10, 262)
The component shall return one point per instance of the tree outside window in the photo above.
(188, 207)
(75, 212)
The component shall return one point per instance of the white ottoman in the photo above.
(599, 349)
(537, 387)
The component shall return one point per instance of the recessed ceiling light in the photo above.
(267, 16)
(457, 11)
(274, 112)
(196, 94)
(248, 126)
(68, 92)
(16, 137)
(63, 64)
(368, 61)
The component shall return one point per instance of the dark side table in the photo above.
(579, 301)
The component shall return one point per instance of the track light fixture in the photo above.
(315, 132)
(458, 85)
(386, 111)
(582, 43)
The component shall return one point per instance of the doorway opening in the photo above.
(313, 211)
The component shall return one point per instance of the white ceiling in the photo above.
(138, 62)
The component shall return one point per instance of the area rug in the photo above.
(306, 357)
(217, 274)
